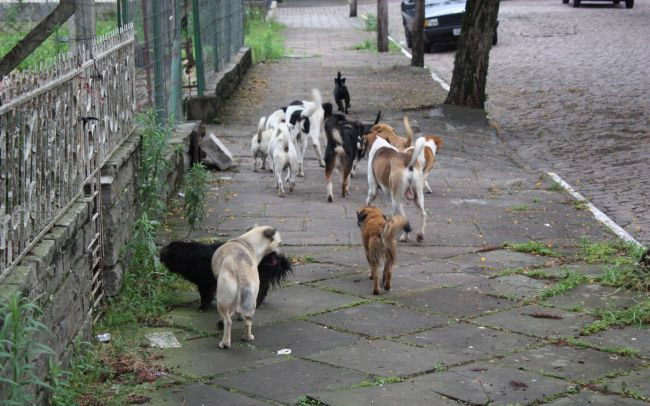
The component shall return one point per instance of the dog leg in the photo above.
(207, 294)
(254, 163)
(263, 162)
(248, 299)
(278, 181)
(427, 187)
(419, 202)
(224, 311)
(389, 261)
(398, 208)
(319, 153)
(345, 188)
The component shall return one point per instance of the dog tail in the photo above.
(409, 131)
(317, 103)
(417, 151)
(260, 129)
(378, 116)
(393, 225)
(285, 141)
(437, 140)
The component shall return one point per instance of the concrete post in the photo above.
(84, 24)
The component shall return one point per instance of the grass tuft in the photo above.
(370, 45)
(533, 247)
(570, 281)
(263, 37)
(371, 22)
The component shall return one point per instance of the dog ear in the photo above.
(361, 216)
(269, 232)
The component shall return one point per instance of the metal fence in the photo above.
(58, 125)
(181, 44)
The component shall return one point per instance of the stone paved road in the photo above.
(455, 329)
(570, 89)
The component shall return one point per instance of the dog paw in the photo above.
(420, 237)
(224, 345)
(248, 337)
(404, 238)
(321, 163)
(330, 199)
(375, 292)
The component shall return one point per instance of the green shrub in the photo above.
(195, 190)
(263, 37)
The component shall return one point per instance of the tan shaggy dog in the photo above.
(378, 235)
(234, 266)
(395, 173)
(388, 133)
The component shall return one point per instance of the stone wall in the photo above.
(57, 271)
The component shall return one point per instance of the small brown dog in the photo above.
(388, 133)
(378, 234)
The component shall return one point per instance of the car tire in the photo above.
(576, 3)
(565, 1)
(629, 3)
(617, 2)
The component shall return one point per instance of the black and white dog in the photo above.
(193, 261)
(345, 147)
(341, 93)
(307, 119)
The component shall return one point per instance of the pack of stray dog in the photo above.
(242, 270)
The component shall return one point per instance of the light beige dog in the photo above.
(234, 266)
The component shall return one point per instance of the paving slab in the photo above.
(482, 384)
(595, 296)
(466, 342)
(590, 398)
(206, 322)
(538, 321)
(381, 357)
(319, 271)
(195, 394)
(583, 269)
(576, 364)
(628, 337)
(345, 255)
(497, 260)
(300, 299)
(360, 285)
(515, 287)
(287, 381)
(203, 358)
(403, 393)
(301, 337)
(635, 382)
(455, 302)
(379, 320)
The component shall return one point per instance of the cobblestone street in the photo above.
(570, 90)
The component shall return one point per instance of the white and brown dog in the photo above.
(282, 154)
(260, 144)
(234, 265)
(432, 144)
(276, 118)
(308, 117)
(395, 172)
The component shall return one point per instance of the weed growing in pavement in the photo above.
(305, 401)
(554, 187)
(520, 207)
(19, 350)
(371, 22)
(263, 37)
(195, 191)
(378, 381)
(637, 315)
(370, 45)
(533, 247)
(570, 281)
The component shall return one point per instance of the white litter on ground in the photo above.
(163, 340)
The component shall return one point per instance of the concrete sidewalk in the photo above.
(455, 328)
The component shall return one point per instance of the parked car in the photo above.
(577, 3)
(442, 21)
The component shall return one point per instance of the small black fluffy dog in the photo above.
(341, 93)
(193, 261)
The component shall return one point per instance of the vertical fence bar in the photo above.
(215, 37)
(125, 11)
(158, 56)
(198, 49)
(176, 81)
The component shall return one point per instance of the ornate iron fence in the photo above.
(58, 125)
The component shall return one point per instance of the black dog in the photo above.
(193, 261)
(341, 93)
(345, 147)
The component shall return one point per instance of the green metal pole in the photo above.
(125, 11)
(176, 82)
(158, 56)
(198, 49)
(119, 13)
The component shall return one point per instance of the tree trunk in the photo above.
(472, 57)
(417, 36)
(353, 8)
(382, 25)
(36, 36)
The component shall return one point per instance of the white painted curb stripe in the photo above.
(599, 215)
(435, 77)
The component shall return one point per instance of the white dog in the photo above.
(276, 118)
(307, 117)
(282, 154)
(260, 144)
